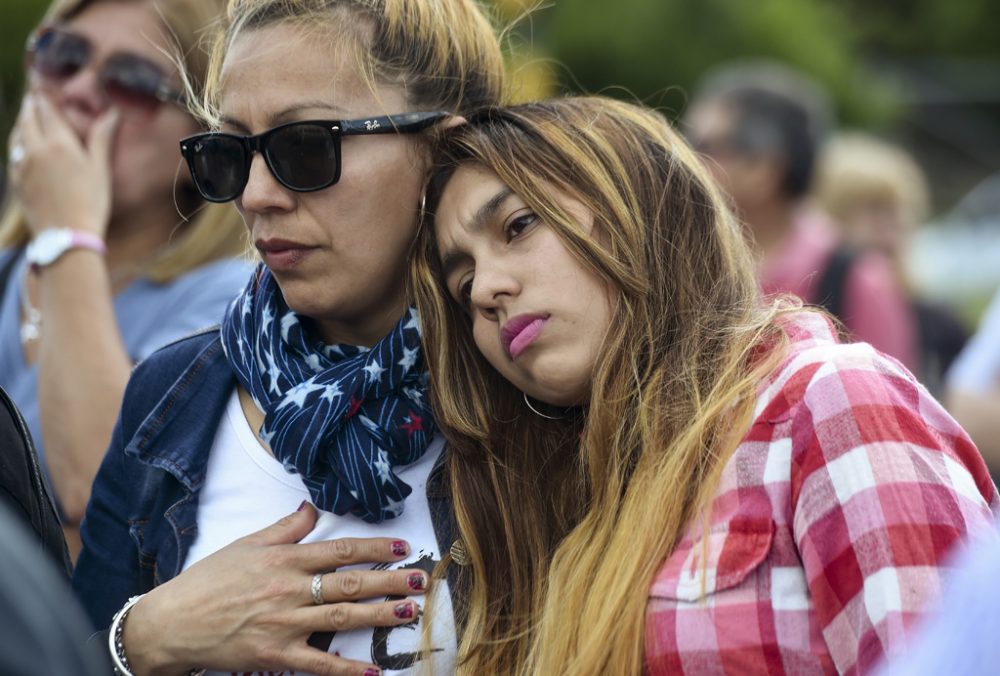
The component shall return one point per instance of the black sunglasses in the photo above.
(127, 79)
(302, 156)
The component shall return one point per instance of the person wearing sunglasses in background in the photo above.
(312, 395)
(109, 252)
(653, 469)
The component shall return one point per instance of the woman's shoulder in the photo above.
(820, 370)
(177, 356)
(192, 369)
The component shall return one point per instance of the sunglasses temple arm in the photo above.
(391, 124)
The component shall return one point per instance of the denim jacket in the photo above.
(142, 515)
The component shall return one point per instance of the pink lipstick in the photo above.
(521, 331)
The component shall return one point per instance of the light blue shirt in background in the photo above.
(149, 316)
(963, 636)
(977, 367)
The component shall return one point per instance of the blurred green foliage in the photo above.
(655, 50)
(17, 18)
(658, 49)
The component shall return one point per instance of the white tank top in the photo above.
(232, 504)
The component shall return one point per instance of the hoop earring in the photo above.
(534, 410)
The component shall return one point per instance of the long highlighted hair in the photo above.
(566, 522)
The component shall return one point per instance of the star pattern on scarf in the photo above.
(332, 390)
(394, 507)
(297, 395)
(354, 408)
(414, 321)
(273, 372)
(287, 322)
(374, 371)
(382, 467)
(267, 320)
(414, 423)
(409, 358)
(334, 414)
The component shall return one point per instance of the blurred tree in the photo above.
(17, 18)
(658, 49)
(922, 27)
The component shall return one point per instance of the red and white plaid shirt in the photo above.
(830, 526)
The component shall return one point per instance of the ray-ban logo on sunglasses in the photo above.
(371, 124)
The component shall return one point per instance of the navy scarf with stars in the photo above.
(340, 416)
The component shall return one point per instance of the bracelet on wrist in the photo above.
(49, 245)
(116, 645)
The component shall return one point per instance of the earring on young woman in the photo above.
(534, 410)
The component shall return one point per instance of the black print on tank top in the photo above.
(380, 637)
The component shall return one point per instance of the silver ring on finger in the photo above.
(17, 154)
(317, 589)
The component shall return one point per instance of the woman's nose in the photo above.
(263, 192)
(492, 288)
(83, 90)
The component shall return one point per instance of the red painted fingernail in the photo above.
(400, 548)
(302, 507)
(416, 581)
(404, 611)
(373, 672)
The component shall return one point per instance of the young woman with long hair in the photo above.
(652, 467)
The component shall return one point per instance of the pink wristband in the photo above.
(49, 245)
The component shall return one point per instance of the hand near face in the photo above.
(249, 606)
(59, 180)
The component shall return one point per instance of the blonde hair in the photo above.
(857, 169)
(212, 231)
(566, 522)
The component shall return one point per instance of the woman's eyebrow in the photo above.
(284, 115)
(487, 211)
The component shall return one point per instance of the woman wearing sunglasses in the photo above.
(311, 400)
(653, 470)
(109, 252)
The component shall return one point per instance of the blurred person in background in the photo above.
(760, 125)
(960, 636)
(972, 387)
(878, 195)
(108, 252)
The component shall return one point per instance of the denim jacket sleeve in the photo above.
(108, 570)
(143, 507)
